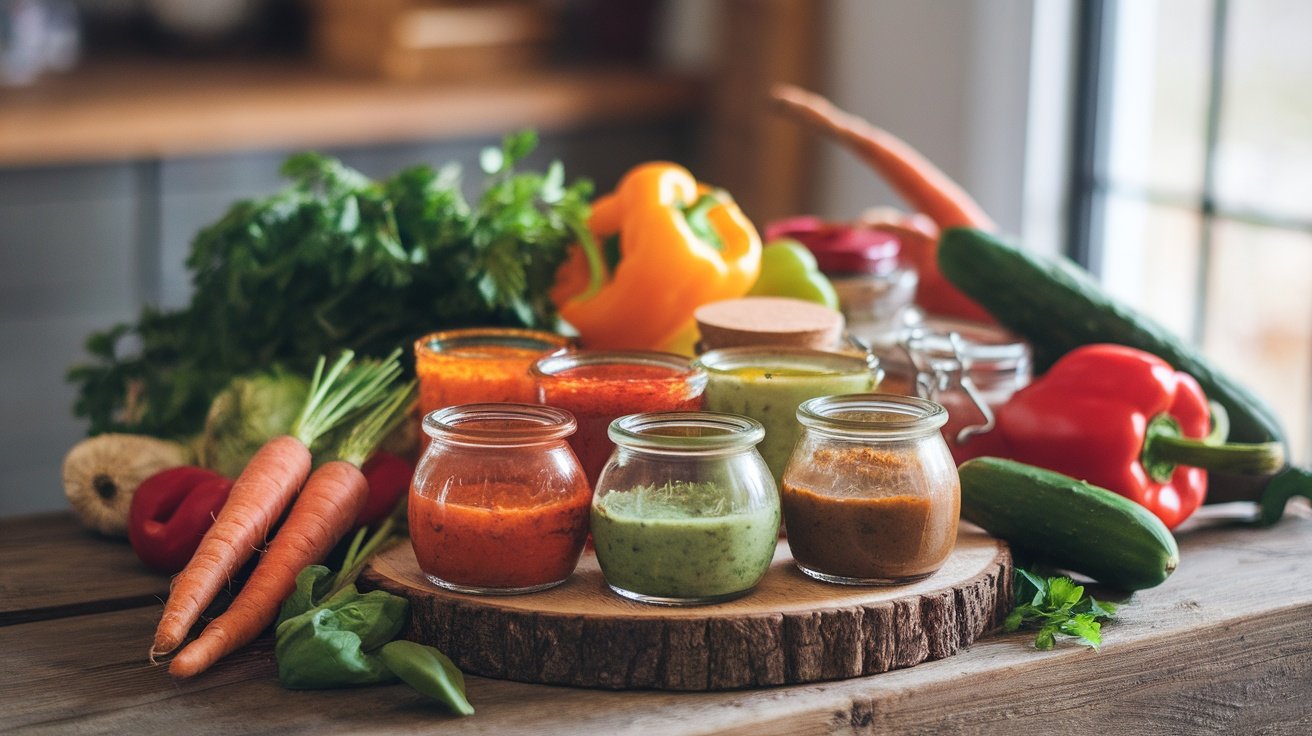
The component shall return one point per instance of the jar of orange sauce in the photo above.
(480, 364)
(499, 503)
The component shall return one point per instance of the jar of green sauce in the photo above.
(685, 511)
(769, 383)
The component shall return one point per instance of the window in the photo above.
(1194, 198)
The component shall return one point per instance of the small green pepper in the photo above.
(788, 269)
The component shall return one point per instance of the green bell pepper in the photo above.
(788, 269)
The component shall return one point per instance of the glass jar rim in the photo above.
(519, 424)
(984, 347)
(563, 360)
(724, 360)
(873, 416)
(442, 341)
(689, 432)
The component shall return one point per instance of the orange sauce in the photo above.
(494, 535)
(471, 375)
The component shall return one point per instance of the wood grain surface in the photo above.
(51, 567)
(148, 109)
(791, 629)
(1224, 646)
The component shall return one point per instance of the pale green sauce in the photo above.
(682, 543)
(771, 397)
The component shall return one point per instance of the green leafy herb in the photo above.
(333, 644)
(331, 635)
(429, 671)
(1056, 606)
(337, 260)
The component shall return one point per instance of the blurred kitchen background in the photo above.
(1166, 144)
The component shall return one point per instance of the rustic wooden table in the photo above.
(1225, 645)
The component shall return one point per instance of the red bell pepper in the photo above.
(171, 511)
(1125, 420)
(389, 478)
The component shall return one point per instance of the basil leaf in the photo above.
(331, 645)
(428, 671)
(315, 651)
(311, 585)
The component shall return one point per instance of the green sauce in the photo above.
(771, 396)
(682, 541)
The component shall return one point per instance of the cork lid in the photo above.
(768, 320)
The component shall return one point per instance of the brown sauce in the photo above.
(881, 531)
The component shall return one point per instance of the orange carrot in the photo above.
(262, 492)
(922, 184)
(321, 516)
(258, 499)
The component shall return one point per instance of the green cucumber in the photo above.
(1058, 306)
(1068, 523)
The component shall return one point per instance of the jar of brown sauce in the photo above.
(871, 495)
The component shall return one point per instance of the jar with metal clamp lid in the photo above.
(970, 369)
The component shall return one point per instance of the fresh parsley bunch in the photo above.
(337, 260)
(1057, 606)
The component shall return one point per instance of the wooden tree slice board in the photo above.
(791, 629)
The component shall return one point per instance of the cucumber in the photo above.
(1068, 523)
(1058, 306)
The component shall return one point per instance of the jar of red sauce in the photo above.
(499, 503)
(480, 364)
(599, 387)
(871, 495)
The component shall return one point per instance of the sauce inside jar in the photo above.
(768, 384)
(498, 503)
(597, 388)
(871, 495)
(682, 541)
(493, 535)
(889, 531)
(480, 365)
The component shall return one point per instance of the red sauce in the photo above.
(600, 393)
(494, 535)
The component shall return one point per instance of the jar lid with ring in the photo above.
(970, 369)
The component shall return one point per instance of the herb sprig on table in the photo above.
(1056, 606)
(337, 260)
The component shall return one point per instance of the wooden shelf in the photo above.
(163, 108)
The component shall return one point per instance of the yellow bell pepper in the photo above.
(682, 244)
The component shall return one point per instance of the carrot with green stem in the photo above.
(922, 184)
(265, 488)
(325, 511)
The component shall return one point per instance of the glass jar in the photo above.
(480, 364)
(769, 383)
(686, 511)
(971, 370)
(598, 387)
(875, 290)
(499, 503)
(871, 495)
